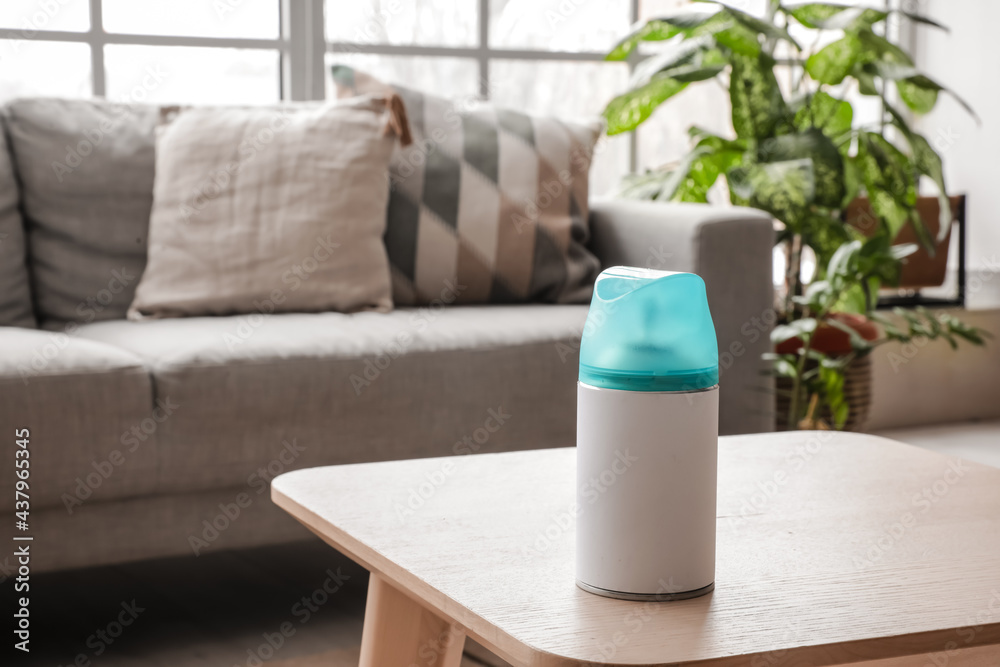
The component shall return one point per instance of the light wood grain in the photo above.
(983, 656)
(828, 553)
(350, 658)
(400, 632)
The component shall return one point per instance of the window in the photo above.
(543, 56)
(183, 51)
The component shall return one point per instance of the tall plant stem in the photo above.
(800, 369)
(793, 263)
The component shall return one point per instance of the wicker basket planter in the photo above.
(857, 392)
(857, 376)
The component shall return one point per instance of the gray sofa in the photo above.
(158, 438)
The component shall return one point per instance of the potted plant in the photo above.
(822, 354)
(798, 155)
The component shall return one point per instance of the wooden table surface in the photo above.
(832, 549)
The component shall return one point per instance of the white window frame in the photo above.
(482, 53)
(302, 47)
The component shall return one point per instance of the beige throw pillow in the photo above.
(269, 210)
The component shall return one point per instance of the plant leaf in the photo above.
(682, 53)
(878, 48)
(703, 174)
(646, 185)
(813, 14)
(857, 340)
(739, 39)
(887, 175)
(645, 31)
(765, 28)
(927, 162)
(920, 18)
(708, 140)
(832, 63)
(866, 81)
(758, 107)
(673, 182)
(827, 164)
(826, 16)
(826, 113)
(842, 260)
(694, 73)
(921, 100)
(659, 29)
(784, 368)
(783, 189)
(916, 85)
(824, 234)
(687, 20)
(925, 83)
(903, 250)
(795, 329)
(627, 111)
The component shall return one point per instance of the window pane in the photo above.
(421, 22)
(558, 25)
(29, 16)
(652, 8)
(191, 75)
(568, 90)
(445, 77)
(31, 67)
(194, 18)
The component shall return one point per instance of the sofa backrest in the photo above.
(15, 293)
(86, 169)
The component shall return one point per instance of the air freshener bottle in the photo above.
(647, 438)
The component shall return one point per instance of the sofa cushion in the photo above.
(82, 401)
(296, 221)
(488, 198)
(265, 393)
(15, 294)
(86, 169)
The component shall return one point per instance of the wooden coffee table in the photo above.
(832, 549)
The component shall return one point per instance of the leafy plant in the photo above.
(798, 154)
(854, 271)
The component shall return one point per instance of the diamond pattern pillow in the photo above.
(487, 205)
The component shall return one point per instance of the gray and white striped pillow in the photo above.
(487, 205)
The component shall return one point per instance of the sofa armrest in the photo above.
(730, 248)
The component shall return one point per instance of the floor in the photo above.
(976, 441)
(218, 610)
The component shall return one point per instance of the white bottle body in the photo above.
(647, 471)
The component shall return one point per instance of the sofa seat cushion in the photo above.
(89, 409)
(262, 394)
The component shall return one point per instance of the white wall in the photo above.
(930, 383)
(967, 60)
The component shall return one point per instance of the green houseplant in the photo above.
(798, 154)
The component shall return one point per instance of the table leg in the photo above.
(400, 632)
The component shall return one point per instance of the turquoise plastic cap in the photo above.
(649, 331)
